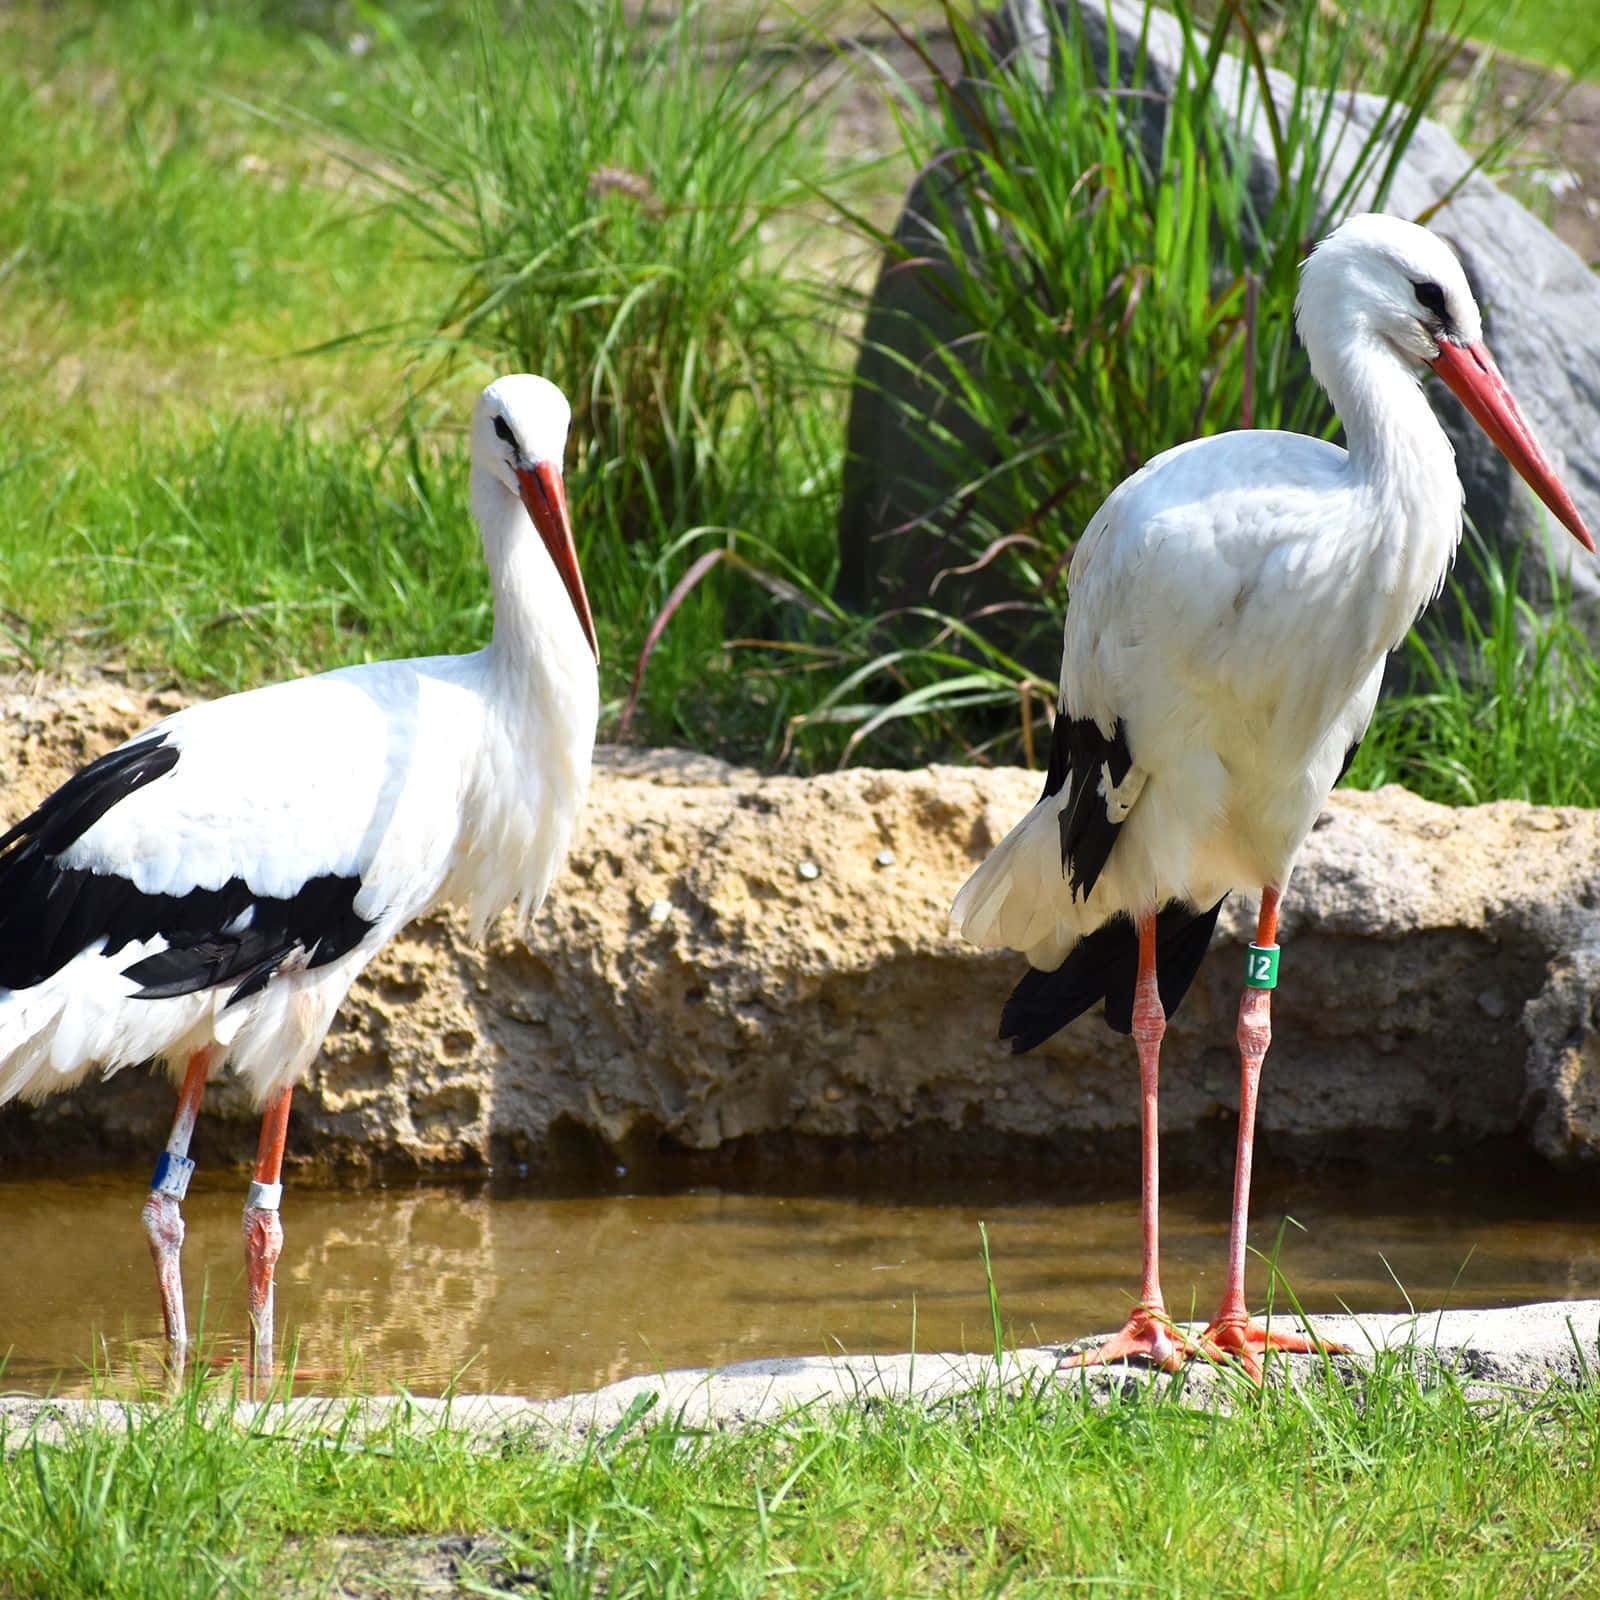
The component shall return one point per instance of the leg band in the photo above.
(265, 1196)
(172, 1175)
(1261, 967)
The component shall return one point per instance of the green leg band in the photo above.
(1261, 967)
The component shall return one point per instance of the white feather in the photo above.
(452, 778)
(1231, 605)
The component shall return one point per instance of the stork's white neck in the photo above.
(1403, 466)
(539, 652)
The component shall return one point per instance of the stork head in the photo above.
(1379, 280)
(519, 436)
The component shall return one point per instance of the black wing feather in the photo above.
(1105, 965)
(50, 913)
(1082, 756)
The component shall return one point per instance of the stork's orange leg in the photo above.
(163, 1211)
(263, 1234)
(1232, 1332)
(1148, 1335)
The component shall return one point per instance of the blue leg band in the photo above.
(172, 1175)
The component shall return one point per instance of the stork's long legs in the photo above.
(163, 1211)
(1231, 1331)
(1148, 1334)
(263, 1233)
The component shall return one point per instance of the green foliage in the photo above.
(1116, 286)
(619, 208)
(614, 212)
(1505, 707)
(255, 545)
(1401, 1484)
(652, 214)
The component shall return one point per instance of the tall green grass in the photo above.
(619, 206)
(1504, 705)
(1108, 281)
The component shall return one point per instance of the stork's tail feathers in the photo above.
(1105, 964)
(1031, 894)
(1016, 898)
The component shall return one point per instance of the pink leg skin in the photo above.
(163, 1222)
(263, 1237)
(163, 1213)
(1148, 1335)
(1232, 1332)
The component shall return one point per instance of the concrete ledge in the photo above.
(1515, 1352)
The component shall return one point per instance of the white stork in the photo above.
(211, 889)
(1231, 606)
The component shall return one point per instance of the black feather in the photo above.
(1349, 756)
(50, 913)
(42, 923)
(315, 925)
(1105, 965)
(1081, 756)
(69, 813)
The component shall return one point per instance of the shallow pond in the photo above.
(500, 1286)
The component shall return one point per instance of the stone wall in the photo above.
(735, 961)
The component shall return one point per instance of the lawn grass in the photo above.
(246, 343)
(1399, 1488)
(257, 261)
(180, 491)
(1564, 34)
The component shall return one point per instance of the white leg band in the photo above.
(265, 1196)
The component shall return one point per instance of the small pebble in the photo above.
(659, 911)
(884, 858)
(809, 870)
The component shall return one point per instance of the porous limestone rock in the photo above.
(735, 958)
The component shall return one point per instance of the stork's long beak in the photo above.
(545, 496)
(1476, 382)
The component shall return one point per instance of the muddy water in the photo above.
(502, 1287)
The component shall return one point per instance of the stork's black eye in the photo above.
(1431, 298)
(503, 431)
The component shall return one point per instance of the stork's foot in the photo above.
(1236, 1337)
(1148, 1335)
(263, 1244)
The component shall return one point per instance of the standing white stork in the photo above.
(1231, 606)
(212, 888)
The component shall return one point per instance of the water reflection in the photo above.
(508, 1288)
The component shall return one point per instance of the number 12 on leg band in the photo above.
(1261, 967)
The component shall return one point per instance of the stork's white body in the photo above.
(448, 779)
(1231, 606)
(1232, 603)
(413, 775)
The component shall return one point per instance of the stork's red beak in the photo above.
(1476, 382)
(545, 496)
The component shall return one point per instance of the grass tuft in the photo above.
(1504, 701)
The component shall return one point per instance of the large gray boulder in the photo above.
(734, 962)
(898, 522)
